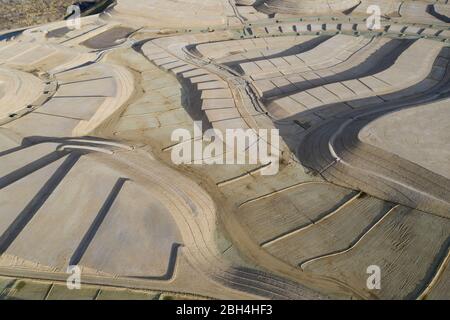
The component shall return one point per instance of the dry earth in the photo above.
(21, 13)
(87, 179)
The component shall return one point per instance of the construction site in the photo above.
(357, 90)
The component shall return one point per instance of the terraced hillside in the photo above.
(87, 177)
(23, 13)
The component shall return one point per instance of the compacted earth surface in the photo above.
(90, 121)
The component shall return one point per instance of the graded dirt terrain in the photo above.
(87, 177)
